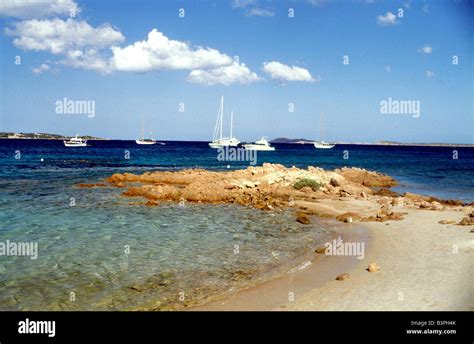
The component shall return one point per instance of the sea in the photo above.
(97, 250)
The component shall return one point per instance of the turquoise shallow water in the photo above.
(173, 250)
(117, 256)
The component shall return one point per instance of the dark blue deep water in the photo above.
(426, 170)
(105, 254)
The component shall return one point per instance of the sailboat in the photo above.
(321, 144)
(217, 140)
(143, 140)
(260, 145)
(75, 142)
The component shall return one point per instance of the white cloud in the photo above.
(159, 52)
(243, 3)
(388, 19)
(284, 73)
(252, 8)
(82, 46)
(58, 36)
(260, 12)
(87, 59)
(78, 42)
(426, 50)
(37, 8)
(40, 69)
(318, 3)
(430, 74)
(233, 74)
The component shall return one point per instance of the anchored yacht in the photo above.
(75, 142)
(218, 141)
(260, 145)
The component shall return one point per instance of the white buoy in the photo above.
(42, 159)
(228, 166)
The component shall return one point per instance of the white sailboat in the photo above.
(218, 141)
(143, 140)
(260, 145)
(321, 144)
(75, 142)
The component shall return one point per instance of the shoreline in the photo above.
(275, 294)
(415, 274)
(413, 236)
(424, 266)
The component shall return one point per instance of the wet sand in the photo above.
(279, 293)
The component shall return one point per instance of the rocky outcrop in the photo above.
(366, 178)
(264, 187)
(271, 186)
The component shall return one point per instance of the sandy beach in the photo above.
(424, 266)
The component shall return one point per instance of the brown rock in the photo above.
(366, 178)
(436, 206)
(446, 222)
(302, 218)
(334, 182)
(373, 267)
(386, 192)
(321, 250)
(415, 197)
(467, 221)
(348, 217)
(343, 277)
(425, 205)
(152, 203)
(449, 202)
(85, 185)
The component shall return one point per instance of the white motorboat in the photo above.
(260, 145)
(218, 141)
(75, 142)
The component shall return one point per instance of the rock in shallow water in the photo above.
(303, 218)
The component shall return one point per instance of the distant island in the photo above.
(286, 140)
(42, 136)
(379, 143)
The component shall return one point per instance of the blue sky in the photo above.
(404, 58)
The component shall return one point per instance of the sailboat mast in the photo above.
(143, 129)
(321, 127)
(222, 115)
(231, 122)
